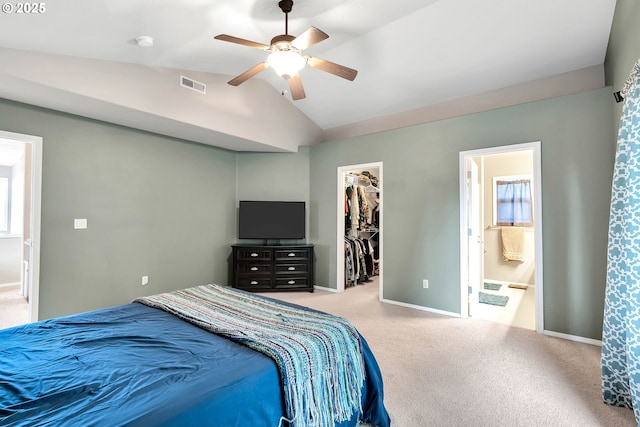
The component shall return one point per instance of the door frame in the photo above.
(342, 171)
(535, 147)
(475, 221)
(35, 216)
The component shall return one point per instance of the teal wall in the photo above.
(166, 208)
(268, 176)
(623, 49)
(155, 206)
(421, 203)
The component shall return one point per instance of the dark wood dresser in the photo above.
(263, 268)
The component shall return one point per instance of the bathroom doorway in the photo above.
(21, 171)
(501, 262)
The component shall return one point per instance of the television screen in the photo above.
(271, 220)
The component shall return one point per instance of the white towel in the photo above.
(513, 243)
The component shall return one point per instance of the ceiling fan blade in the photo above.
(238, 40)
(309, 38)
(332, 68)
(248, 74)
(295, 86)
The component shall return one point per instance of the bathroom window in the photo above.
(513, 201)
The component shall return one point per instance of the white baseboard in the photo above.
(6, 285)
(403, 304)
(421, 308)
(324, 288)
(573, 338)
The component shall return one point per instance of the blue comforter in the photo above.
(139, 366)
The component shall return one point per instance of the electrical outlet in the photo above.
(145, 280)
(425, 284)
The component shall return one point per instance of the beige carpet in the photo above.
(14, 309)
(444, 371)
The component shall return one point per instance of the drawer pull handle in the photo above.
(254, 268)
(291, 269)
(254, 282)
(254, 254)
(291, 282)
(292, 254)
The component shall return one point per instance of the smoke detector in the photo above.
(144, 41)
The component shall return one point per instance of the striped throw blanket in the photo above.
(318, 355)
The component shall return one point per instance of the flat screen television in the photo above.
(271, 220)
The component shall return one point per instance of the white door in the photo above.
(474, 235)
(26, 231)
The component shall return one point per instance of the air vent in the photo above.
(192, 84)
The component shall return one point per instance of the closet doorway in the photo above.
(21, 170)
(501, 235)
(359, 220)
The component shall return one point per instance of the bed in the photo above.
(141, 364)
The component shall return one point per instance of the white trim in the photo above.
(464, 242)
(537, 214)
(401, 304)
(342, 170)
(420, 307)
(36, 197)
(325, 289)
(9, 284)
(575, 338)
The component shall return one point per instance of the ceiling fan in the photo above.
(286, 56)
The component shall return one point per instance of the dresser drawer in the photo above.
(292, 254)
(253, 268)
(292, 282)
(293, 268)
(251, 283)
(253, 254)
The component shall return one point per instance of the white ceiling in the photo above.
(409, 54)
(10, 152)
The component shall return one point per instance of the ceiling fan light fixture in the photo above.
(286, 63)
(286, 56)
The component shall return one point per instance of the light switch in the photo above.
(80, 224)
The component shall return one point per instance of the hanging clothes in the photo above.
(359, 264)
(620, 359)
(361, 206)
(361, 228)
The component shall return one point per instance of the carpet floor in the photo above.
(446, 371)
(14, 308)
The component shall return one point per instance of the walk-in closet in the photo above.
(362, 206)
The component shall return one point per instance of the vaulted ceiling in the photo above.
(81, 57)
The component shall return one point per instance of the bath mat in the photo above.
(492, 286)
(499, 300)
